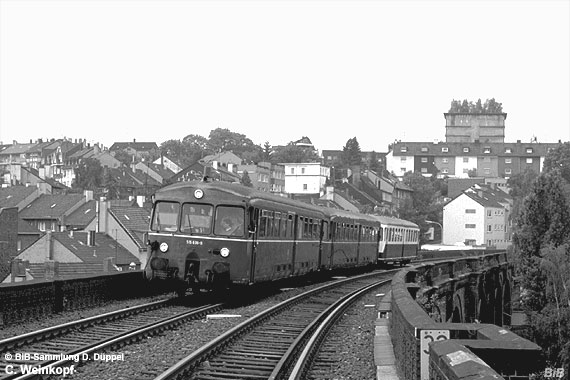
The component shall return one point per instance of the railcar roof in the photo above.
(185, 189)
(395, 221)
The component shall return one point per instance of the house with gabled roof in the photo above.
(137, 149)
(126, 224)
(27, 235)
(18, 196)
(478, 216)
(48, 212)
(158, 172)
(199, 170)
(168, 163)
(83, 218)
(73, 254)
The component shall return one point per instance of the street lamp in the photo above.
(439, 224)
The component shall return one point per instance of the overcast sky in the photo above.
(278, 70)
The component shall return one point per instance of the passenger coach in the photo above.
(217, 233)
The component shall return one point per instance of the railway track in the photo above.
(87, 339)
(267, 345)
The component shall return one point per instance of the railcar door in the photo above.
(253, 230)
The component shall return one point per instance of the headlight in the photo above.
(224, 252)
(163, 247)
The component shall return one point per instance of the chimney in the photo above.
(134, 140)
(91, 238)
(518, 141)
(49, 245)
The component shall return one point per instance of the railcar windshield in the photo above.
(165, 218)
(229, 221)
(196, 218)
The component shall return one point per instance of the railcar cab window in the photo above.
(196, 218)
(229, 221)
(165, 217)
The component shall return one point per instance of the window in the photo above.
(445, 160)
(304, 186)
(465, 150)
(529, 150)
(465, 160)
(403, 170)
(444, 171)
(470, 211)
(230, 221)
(444, 149)
(529, 160)
(424, 170)
(487, 170)
(470, 226)
(465, 171)
(508, 150)
(487, 150)
(424, 149)
(508, 160)
(302, 170)
(424, 159)
(402, 159)
(165, 217)
(197, 218)
(508, 171)
(489, 228)
(292, 170)
(404, 149)
(489, 213)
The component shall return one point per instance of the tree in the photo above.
(124, 157)
(88, 175)
(267, 152)
(373, 163)
(295, 154)
(520, 186)
(351, 154)
(245, 180)
(559, 158)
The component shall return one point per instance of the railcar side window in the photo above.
(229, 221)
(197, 218)
(165, 218)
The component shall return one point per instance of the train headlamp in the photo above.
(163, 247)
(198, 193)
(224, 252)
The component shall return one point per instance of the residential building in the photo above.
(126, 225)
(140, 150)
(277, 179)
(48, 212)
(72, 254)
(18, 196)
(158, 172)
(465, 159)
(27, 235)
(305, 178)
(259, 174)
(83, 218)
(478, 216)
(334, 158)
(168, 163)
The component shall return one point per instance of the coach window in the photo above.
(263, 223)
(283, 232)
(229, 221)
(290, 225)
(197, 219)
(165, 217)
(276, 223)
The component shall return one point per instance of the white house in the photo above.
(305, 178)
(478, 216)
(399, 162)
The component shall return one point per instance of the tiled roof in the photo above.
(13, 195)
(104, 247)
(83, 153)
(50, 206)
(135, 221)
(138, 146)
(66, 270)
(25, 228)
(18, 149)
(161, 170)
(484, 201)
(81, 217)
(475, 149)
(50, 181)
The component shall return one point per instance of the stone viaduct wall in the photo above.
(460, 304)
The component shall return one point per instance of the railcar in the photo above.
(208, 234)
(398, 241)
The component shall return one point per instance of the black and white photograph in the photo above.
(284, 189)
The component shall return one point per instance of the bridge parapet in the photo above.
(455, 303)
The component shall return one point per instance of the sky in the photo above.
(112, 71)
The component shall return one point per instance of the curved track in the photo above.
(59, 345)
(265, 346)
